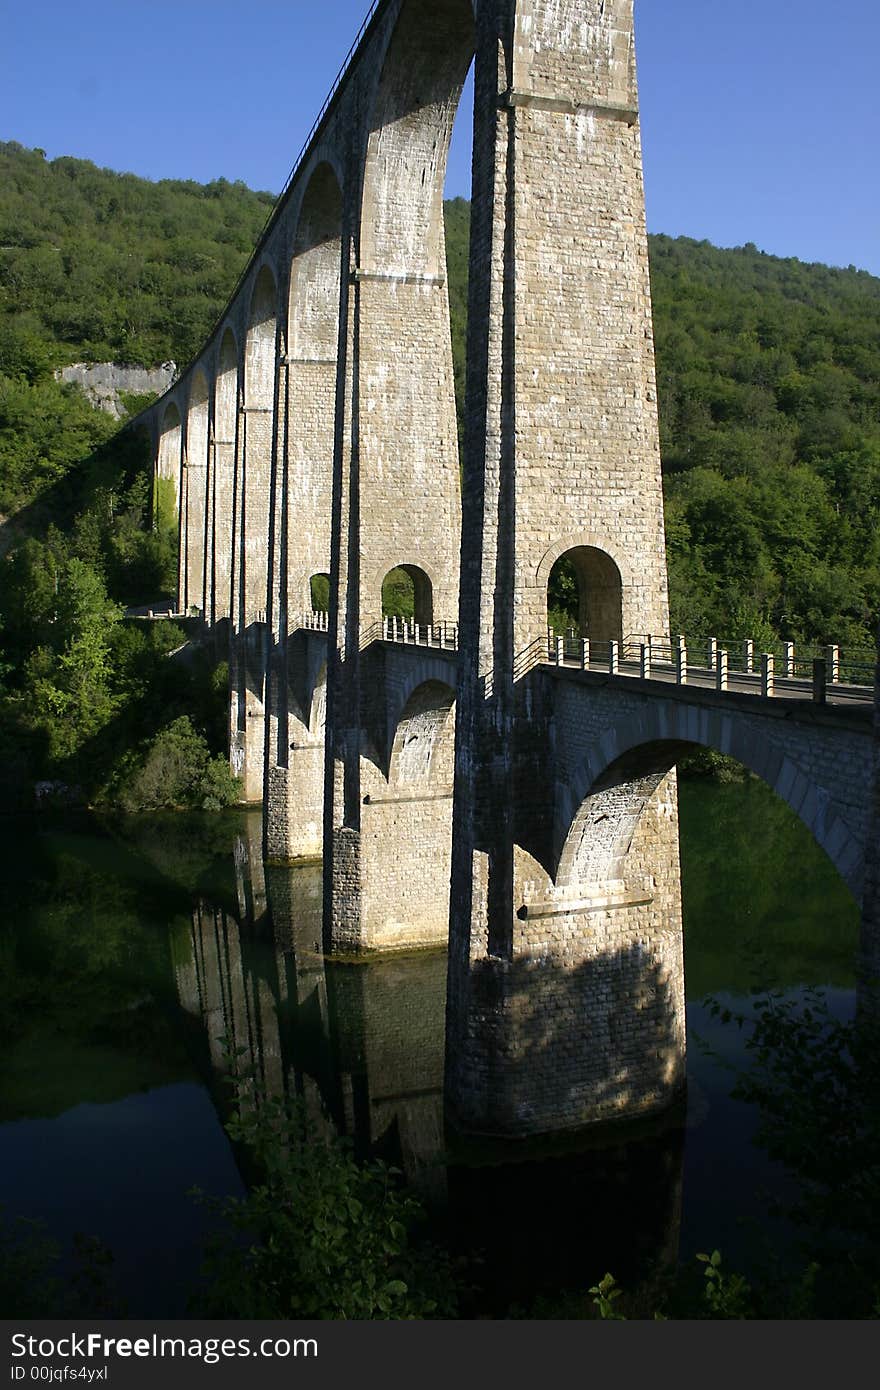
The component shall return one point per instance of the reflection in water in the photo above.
(103, 1042)
(363, 1045)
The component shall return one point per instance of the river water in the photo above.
(133, 953)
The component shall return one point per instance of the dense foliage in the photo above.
(99, 266)
(95, 704)
(113, 268)
(769, 388)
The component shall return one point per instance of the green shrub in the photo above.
(176, 772)
(324, 1236)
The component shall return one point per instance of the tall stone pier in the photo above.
(565, 1002)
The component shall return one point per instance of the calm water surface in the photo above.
(132, 954)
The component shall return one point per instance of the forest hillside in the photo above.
(768, 373)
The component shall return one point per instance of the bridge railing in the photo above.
(412, 634)
(403, 630)
(819, 673)
(316, 621)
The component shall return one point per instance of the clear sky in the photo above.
(760, 118)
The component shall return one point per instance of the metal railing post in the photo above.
(832, 658)
(560, 650)
(788, 659)
(613, 658)
(645, 661)
(767, 673)
(819, 681)
(721, 671)
(585, 653)
(748, 655)
(713, 652)
(681, 662)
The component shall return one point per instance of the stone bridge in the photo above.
(459, 777)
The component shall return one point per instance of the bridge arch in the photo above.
(313, 300)
(406, 818)
(428, 670)
(423, 749)
(259, 359)
(408, 591)
(254, 451)
(410, 127)
(584, 590)
(168, 464)
(223, 470)
(602, 804)
(304, 488)
(195, 501)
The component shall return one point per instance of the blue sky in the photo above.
(760, 118)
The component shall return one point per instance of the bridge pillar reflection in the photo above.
(565, 1002)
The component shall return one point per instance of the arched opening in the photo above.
(585, 595)
(225, 404)
(319, 590)
(411, 127)
(763, 909)
(166, 491)
(407, 592)
(313, 311)
(253, 487)
(196, 471)
(304, 489)
(601, 834)
(259, 364)
(254, 460)
(405, 361)
(596, 843)
(424, 742)
(406, 823)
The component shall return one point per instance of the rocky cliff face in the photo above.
(103, 382)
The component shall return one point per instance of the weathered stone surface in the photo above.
(530, 816)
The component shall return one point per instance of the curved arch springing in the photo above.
(259, 361)
(411, 124)
(168, 466)
(313, 309)
(423, 750)
(226, 389)
(196, 500)
(585, 593)
(407, 592)
(225, 412)
(613, 785)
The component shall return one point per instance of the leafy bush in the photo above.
(177, 772)
(319, 1235)
(815, 1081)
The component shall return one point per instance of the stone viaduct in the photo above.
(456, 783)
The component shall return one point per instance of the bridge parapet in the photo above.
(818, 674)
(410, 633)
(403, 631)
